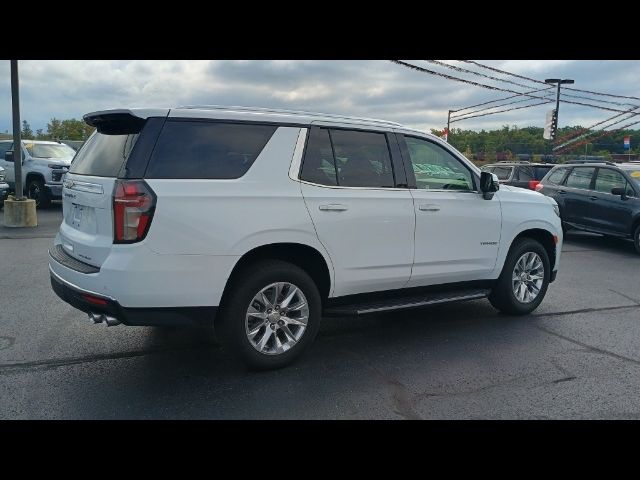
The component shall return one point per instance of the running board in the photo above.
(402, 303)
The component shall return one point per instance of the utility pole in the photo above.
(448, 124)
(17, 143)
(559, 81)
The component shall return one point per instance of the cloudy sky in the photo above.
(378, 89)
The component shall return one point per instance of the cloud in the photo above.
(377, 89)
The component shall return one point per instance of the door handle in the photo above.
(592, 197)
(335, 207)
(429, 208)
(561, 192)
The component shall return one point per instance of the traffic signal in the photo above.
(551, 125)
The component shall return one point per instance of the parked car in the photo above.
(4, 187)
(519, 174)
(601, 198)
(258, 222)
(43, 165)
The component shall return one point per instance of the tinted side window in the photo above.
(4, 147)
(362, 159)
(540, 172)
(580, 177)
(319, 165)
(437, 169)
(192, 149)
(503, 173)
(103, 155)
(524, 174)
(557, 176)
(608, 179)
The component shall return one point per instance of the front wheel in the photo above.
(524, 279)
(37, 191)
(270, 314)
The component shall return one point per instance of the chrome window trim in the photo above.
(298, 152)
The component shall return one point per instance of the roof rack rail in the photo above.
(606, 162)
(513, 161)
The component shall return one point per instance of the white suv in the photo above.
(264, 221)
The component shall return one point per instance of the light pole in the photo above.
(559, 81)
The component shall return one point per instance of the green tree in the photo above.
(70, 129)
(26, 130)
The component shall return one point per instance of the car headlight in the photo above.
(556, 209)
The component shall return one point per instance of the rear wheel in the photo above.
(270, 314)
(636, 239)
(37, 191)
(524, 279)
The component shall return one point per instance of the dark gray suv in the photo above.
(597, 197)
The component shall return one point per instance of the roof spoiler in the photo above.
(115, 122)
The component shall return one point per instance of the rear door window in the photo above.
(211, 150)
(503, 173)
(524, 174)
(580, 177)
(362, 159)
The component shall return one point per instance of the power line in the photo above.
(505, 98)
(605, 133)
(540, 81)
(585, 130)
(490, 87)
(465, 70)
(458, 119)
(490, 108)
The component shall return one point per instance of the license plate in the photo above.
(77, 215)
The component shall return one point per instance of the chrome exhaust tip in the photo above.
(111, 321)
(96, 318)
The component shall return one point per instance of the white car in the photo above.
(263, 221)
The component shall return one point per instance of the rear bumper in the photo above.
(87, 301)
(4, 191)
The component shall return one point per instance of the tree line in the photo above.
(69, 129)
(507, 142)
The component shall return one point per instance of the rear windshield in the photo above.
(44, 150)
(540, 172)
(211, 150)
(103, 155)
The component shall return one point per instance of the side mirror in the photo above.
(620, 191)
(8, 156)
(489, 184)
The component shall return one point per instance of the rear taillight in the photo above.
(533, 184)
(539, 187)
(133, 205)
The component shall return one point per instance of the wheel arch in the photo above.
(545, 237)
(310, 259)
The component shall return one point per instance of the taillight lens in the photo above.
(539, 187)
(533, 184)
(133, 205)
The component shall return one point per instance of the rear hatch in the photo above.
(87, 230)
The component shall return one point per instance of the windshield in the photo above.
(44, 150)
(635, 174)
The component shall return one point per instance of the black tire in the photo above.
(239, 294)
(636, 239)
(37, 191)
(503, 297)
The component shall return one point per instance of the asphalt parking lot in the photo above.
(577, 356)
